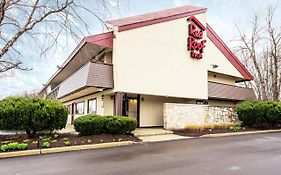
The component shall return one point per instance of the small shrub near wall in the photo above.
(259, 112)
(95, 124)
(32, 115)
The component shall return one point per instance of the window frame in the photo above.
(88, 110)
(76, 110)
(69, 109)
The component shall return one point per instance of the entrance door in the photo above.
(132, 107)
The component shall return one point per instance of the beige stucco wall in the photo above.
(221, 78)
(107, 109)
(216, 57)
(151, 109)
(154, 60)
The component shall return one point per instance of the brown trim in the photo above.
(118, 103)
(88, 105)
(138, 110)
(223, 99)
(228, 85)
(72, 112)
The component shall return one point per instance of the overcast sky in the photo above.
(222, 15)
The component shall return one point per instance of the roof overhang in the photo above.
(85, 51)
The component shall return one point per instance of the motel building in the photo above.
(166, 68)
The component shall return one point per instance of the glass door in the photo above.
(133, 108)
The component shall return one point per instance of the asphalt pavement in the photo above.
(257, 154)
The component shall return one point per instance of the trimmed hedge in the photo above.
(96, 124)
(32, 115)
(259, 112)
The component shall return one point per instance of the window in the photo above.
(80, 108)
(69, 108)
(92, 106)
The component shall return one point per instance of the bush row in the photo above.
(95, 124)
(259, 112)
(31, 115)
(14, 146)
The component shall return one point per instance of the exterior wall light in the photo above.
(215, 66)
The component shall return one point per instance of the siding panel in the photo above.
(224, 91)
(90, 75)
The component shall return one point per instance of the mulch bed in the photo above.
(191, 133)
(57, 140)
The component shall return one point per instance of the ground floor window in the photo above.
(80, 108)
(69, 108)
(92, 106)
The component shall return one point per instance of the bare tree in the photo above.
(41, 23)
(260, 51)
(30, 93)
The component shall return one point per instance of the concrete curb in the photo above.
(65, 149)
(238, 133)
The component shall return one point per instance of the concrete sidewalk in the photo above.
(160, 138)
(156, 134)
(141, 132)
(68, 129)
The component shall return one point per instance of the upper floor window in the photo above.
(92, 106)
(80, 108)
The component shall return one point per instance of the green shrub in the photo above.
(66, 143)
(235, 128)
(22, 146)
(13, 146)
(120, 125)
(46, 145)
(95, 124)
(90, 124)
(32, 115)
(4, 148)
(259, 112)
(65, 139)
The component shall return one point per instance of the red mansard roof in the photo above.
(156, 17)
(103, 39)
